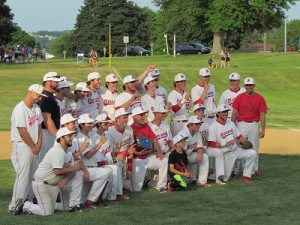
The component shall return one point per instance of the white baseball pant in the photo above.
(110, 191)
(99, 176)
(176, 126)
(218, 155)
(251, 132)
(248, 156)
(24, 163)
(46, 195)
(202, 167)
(140, 167)
(47, 143)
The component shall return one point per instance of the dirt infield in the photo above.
(277, 141)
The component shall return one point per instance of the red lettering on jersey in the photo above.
(192, 146)
(32, 120)
(109, 102)
(67, 164)
(105, 150)
(122, 143)
(226, 133)
(160, 136)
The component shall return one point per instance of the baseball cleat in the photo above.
(18, 207)
(246, 179)
(220, 180)
(205, 185)
(256, 175)
(75, 209)
(123, 197)
(162, 190)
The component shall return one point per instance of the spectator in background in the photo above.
(223, 59)
(227, 58)
(35, 53)
(44, 52)
(2, 52)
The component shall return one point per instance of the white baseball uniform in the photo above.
(163, 136)
(99, 176)
(192, 145)
(222, 133)
(22, 158)
(109, 103)
(179, 115)
(91, 104)
(228, 98)
(73, 107)
(161, 91)
(45, 183)
(120, 141)
(62, 106)
(209, 103)
(124, 97)
(105, 154)
(149, 103)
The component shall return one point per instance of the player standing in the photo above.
(179, 100)
(160, 91)
(204, 93)
(26, 137)
(249, 112)
(63, 90)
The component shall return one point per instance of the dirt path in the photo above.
(277, 141)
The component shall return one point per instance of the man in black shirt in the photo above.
(50, 111)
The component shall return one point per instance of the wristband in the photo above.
(182, 101)
(114, 159)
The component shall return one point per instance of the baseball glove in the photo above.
(246, 144)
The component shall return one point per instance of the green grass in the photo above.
(272, 200)
(276, 74)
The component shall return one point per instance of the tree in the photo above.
(92, 25)
(223, 17)
(20, 37)
(59, 45)
(7, 26)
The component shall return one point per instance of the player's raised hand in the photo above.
(187, 96)
(102, 139)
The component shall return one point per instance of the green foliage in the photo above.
(92, 26)
(7, 27)
(271, 200)
(59, 45)
(20, 37)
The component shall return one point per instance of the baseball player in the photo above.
(103, 157)
(99, 176)
(110, 95)
(197, 158)
(92, 104)
(150, 99)
(63, 90)
(160, 91)
(122, 141)
(249, 112)
(50, 111)
(130, 98)
(223, 137)
(143, 159)
(162, 130)
(204, 93)
(26, 137)
(57, 172)
(179, 170)
(73, 104)
(229, 95)
(180, 103)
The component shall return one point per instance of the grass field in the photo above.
(276, 74)
(271, 200)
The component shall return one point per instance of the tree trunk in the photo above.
(217, 45)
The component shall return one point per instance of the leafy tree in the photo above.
(59, 45)
(224, 17)
(20, 37)
(92, 26)
(7, 27)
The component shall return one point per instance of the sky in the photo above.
(59, 15)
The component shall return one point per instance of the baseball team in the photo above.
(80, 150)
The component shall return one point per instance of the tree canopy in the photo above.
(92, 26)
(223, 17)
(7, 26)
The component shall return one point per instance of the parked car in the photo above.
(191, 48)
(136, 50)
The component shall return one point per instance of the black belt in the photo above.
(182, 121)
